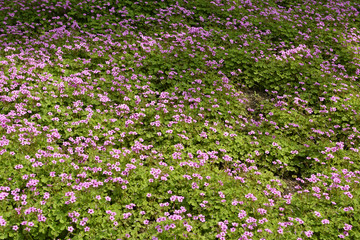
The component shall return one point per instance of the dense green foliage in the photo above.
(179, 119)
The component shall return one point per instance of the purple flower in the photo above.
(325, 221)
(309, 233)
(2, 221)
(242, 214)
(317, 214)
(347, 227)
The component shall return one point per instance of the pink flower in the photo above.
(262, 211)
(325, 221)
(347, 227)
(348, 194)
(2, 221)
(203, 134)
(242, 214)
(317, 214)
(299, 220)
(309, 233)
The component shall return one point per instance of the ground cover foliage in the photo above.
(179, 119)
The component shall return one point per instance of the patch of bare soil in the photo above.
(293, 185)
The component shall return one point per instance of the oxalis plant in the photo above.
(179, 119)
